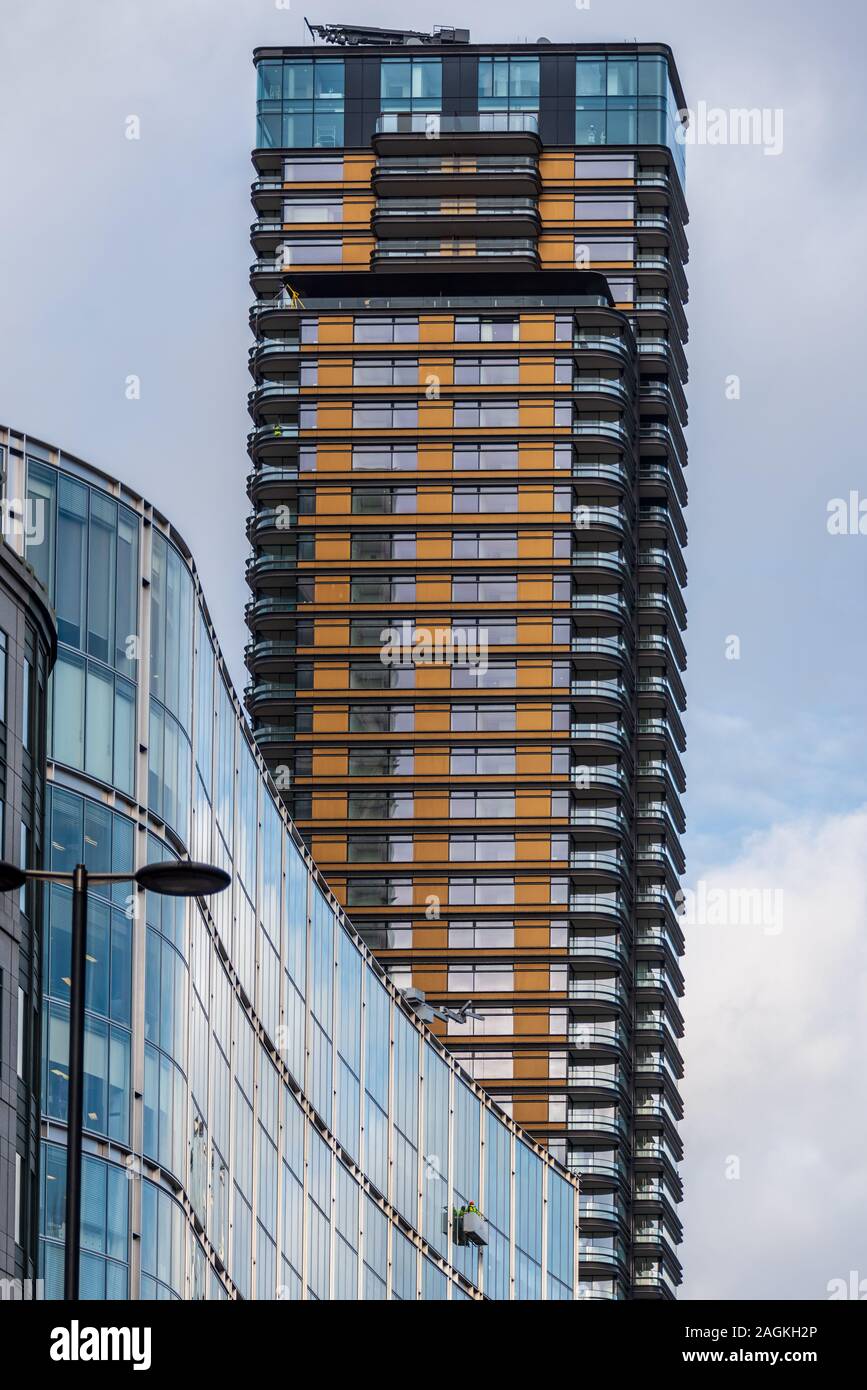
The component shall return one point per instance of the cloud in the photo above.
(776, 1035)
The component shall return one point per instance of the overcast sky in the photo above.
(130, 257)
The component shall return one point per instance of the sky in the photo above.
(129, 257)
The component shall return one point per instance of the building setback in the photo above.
(467, 526)
(264, 1115)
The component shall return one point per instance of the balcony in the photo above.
(607, 992)
(264, 654)
(611, 473)
(274, 354)
(605, 430)
(609, 560)
(607, 604)
(597, 861)
(592, 777)
(481, 175)
(593, 948)
(512, 253)
(275, 741)
(663, 479)
(270, 612)
(269, 571)
(603, 1169)
(662, 437)
(267, 696)
(615, 388)
(489, 132)
(271, 482)
(598, 820)
(269, 399)
(270, 440)
(593, 1079)
(663, 517)
(465, 218)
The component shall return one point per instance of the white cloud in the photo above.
(776, 1035)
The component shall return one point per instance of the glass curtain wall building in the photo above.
(264, 1115)
(27, 647)
(466, 576)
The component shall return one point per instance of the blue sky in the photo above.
(130, 257)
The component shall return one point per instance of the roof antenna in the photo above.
(311, 30)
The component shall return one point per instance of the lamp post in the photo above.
(176, 878)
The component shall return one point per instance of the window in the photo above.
(499, 1022)
(384, 415)
(365, 632)
(93, 720)
(308, 210)
(382, 590)
(376, 849)
(485, 499)
(469, 457)
(378, 892)
(468, 979)
(375, 805)
(382, 545)
(484, 588)
(381, 719)
(604, 209)
(375, 676)
(313, 171)
(500, 675)
(411, 84)
(596, 168)
(486, 371)
(483, 718)
(26, 704)
(471, 805)
(483, 848)
(400, 371)
(485, 934)
(508, 84)
(303, 252)
(626, 100)
(380, 762)
(481, 330)
(596, 252)
(376, 458)
(386, 330)
(488, 1066)
(21, 1033)
(300, 103)
(486, 414)
(485, 545)
(482, 761)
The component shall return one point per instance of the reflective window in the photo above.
(300, 103)
(411, 84)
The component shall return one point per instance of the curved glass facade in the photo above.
(264, 1116)
(27, 646)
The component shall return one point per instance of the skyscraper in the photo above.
(466, 571)
(264, 1116)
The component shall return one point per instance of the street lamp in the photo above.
(176, 878)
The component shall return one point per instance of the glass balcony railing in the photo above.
(435, 207)
(431, 123)
(448, 250)
(464, 166)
